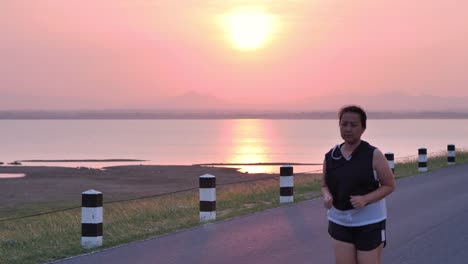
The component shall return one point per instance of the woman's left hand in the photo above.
(358, 201)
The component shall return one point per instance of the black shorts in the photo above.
(365, 238)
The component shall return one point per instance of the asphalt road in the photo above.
(427, 223)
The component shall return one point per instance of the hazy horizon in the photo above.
(196, 102)
(296, 55)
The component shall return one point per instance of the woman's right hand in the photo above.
(327, 201)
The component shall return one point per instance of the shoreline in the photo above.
(75, 163)
(84, 160)
(104, 164)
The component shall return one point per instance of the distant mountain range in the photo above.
(198, 105)
(389, 102)
(393, 102)
(155, 114)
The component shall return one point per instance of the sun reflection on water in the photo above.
(250, 145)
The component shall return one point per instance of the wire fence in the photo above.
(405, 158)
(152, 196)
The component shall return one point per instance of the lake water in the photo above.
(174, 142)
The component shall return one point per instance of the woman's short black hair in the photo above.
(354, 109)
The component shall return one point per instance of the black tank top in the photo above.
(350, 177)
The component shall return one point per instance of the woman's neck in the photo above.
(350, 147)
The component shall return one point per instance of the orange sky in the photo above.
(135, 53)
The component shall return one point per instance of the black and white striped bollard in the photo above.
(207, 197)
(422, 160)
(391, 160)
(91, 219)
(286, 184)
(451, 154)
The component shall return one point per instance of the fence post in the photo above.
(391, 160)
(286, 184)
(91, 219)
(207, 197)
(422, 160)
(451, 154)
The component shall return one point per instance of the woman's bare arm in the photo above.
(386, 178)
(327, 197)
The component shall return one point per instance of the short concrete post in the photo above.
(422, 160)
(207, 197)
(91, 219)
(451, 154)
(391, 160)
(286, 184)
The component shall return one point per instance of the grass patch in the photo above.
(409, 167)
(55, 236)
(36, 208)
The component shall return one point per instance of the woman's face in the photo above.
(351, 127)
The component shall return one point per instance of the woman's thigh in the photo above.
(345, 253)
(370, 257)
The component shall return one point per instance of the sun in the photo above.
(249, 29)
